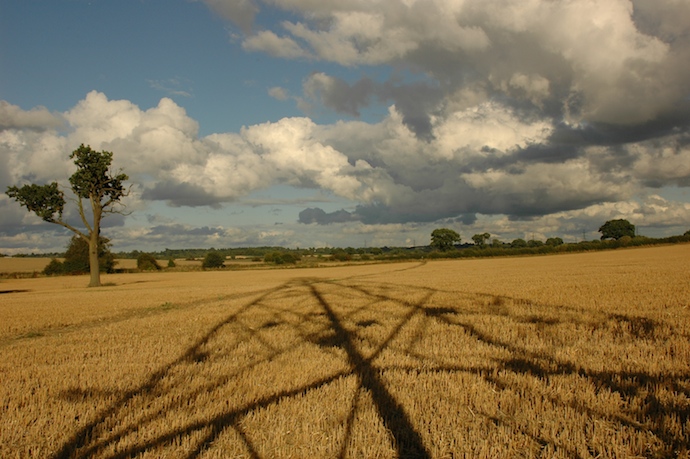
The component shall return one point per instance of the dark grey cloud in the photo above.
(668, 22)
(416, 101)
(671, 122)
(370, 215)
(467, 219)
(178, 194)
(321, 217)
(337, 94)
(12, 224)
(184, 230)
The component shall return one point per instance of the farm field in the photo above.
(31, 264)
(579, 355)
(20, 265)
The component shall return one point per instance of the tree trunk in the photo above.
(94, 239)
(94, 268)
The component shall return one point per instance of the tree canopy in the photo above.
(93, 181)
(518, 243)
(444, 239)
(213, 260)
(616, 229)
(480, 239)
(147, 262)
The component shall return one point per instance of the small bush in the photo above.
(280, 258)
(77, 257)
(213, 260)
(54, 268)
(341, 255)
(147, 262)
(171, 263)
(75, 267)
(288, 258)
(625, 241)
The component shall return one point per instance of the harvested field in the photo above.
(580, 355)
(22, 265)
(31, 264)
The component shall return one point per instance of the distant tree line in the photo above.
(445, 243)
(614, 234)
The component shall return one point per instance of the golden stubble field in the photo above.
(581, 355)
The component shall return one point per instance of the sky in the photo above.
(362, 123)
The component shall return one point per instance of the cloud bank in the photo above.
(484, 160)
(600, 61)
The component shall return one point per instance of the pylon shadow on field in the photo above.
(86, 441)
(335, 324)
(649, 418)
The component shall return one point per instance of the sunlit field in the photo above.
(21, 265)
(9, 265)
(572, 356)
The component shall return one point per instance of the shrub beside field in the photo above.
(584, 355)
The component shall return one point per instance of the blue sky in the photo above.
(320, 123)
(56, 52)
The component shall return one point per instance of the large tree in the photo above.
(444, 239)
(616, 229)
(94, 182)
